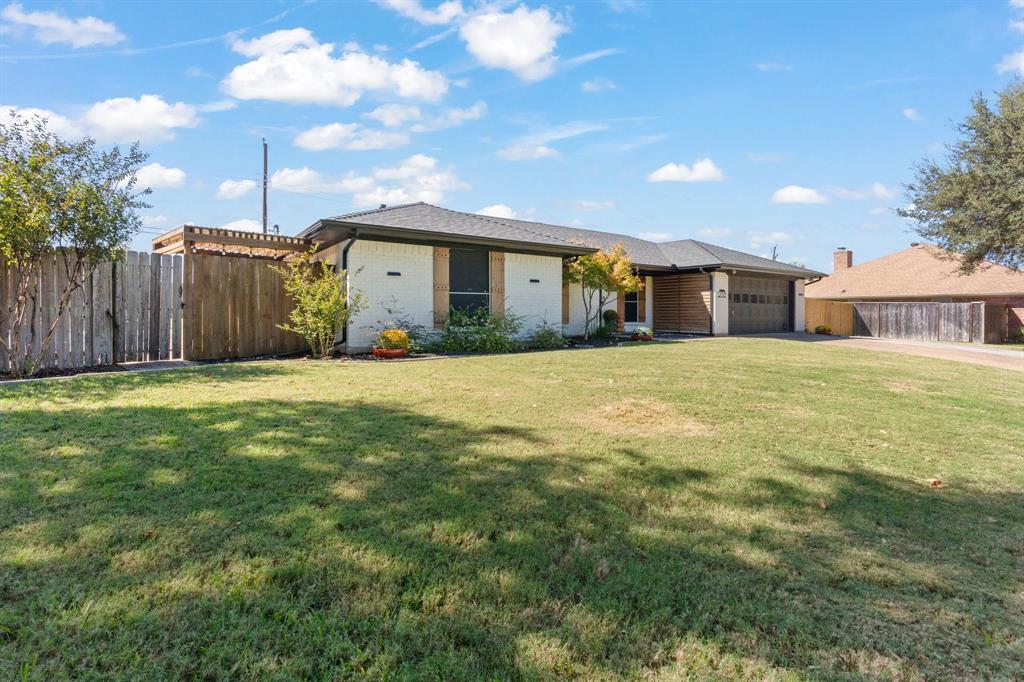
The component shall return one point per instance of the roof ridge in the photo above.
(495, 219)
(703, 247)
(382, 209)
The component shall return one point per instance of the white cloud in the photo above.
(656, 236)
(587, 205)
(880, 210)
(1017, 4)
(714, 232)
(154, 220)
(243, 224)
(416, 178)
(795, 194)
(1017, 26)
(351, 136)
(51, 27)
(587, 57)
(876, 191)
(758, 240)
(444, 13)
(219, 105)
(911, 114)
(498, 211)
(765, 67)
(452, 118)
(291, 66)
(598, 84)
(522, 41)
(394, 115)
(233, 189)
(703, 170)
(526, 152)
(156, 175)
(148, 118)
(197, 72)
(535, 145)
(57, 124)
(1012, 62)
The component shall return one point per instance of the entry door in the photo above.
(759, 305)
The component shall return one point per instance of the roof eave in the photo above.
(417, 235)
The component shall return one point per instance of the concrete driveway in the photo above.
(990, 356)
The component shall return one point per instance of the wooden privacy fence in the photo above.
(125, 311)
(232, 308)
(973, 322)
(835, 315)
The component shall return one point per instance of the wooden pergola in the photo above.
(216, 241)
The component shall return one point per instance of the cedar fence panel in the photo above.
(836, 315)
(234, 306)
(124, 311)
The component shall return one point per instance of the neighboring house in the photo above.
(416, 262)
(923, 273)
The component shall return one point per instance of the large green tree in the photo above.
(973, 205)
(64, 199)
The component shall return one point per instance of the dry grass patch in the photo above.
(638, 417)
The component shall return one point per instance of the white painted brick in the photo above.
(410, 296)
(537, 303)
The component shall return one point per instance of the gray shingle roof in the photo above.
(683, 254)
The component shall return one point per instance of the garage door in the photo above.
(759, 305)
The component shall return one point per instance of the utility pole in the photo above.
(264, 185)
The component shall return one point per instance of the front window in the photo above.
(631, 302)
(469, 280)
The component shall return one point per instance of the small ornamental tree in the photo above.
(63, 200)
(974, 204)
(601, 276)
(324, 302)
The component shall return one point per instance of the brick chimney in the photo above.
(842, 259)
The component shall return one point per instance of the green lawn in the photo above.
(734, 508)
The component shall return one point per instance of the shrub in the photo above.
(611, 318)
(392, 339)
(547, 336)
(323, 302)
(478, 332)
(823, 329)
(604, 331)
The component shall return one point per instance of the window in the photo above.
(735, 298)
(631, 307)
(469, 279)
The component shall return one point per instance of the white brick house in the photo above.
(416, 262)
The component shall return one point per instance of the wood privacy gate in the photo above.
(198, 303)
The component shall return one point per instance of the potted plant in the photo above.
(641, 334)
(391, 343)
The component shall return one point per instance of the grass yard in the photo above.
(732, 509)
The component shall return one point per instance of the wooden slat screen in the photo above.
(682, 303)
(497, 284)
(565, 302)
(441, 286)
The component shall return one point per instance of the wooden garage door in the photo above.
(682, 303)
(759, 305)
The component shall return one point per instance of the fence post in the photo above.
(186, 304)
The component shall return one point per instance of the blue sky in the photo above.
(746, 125)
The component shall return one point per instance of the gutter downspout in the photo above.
(344, 266)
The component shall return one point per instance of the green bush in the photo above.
(547, 337)
(604, 331)
(611, 318)
(478, 332)
(823, 329)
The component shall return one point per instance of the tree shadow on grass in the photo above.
(314, 539)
